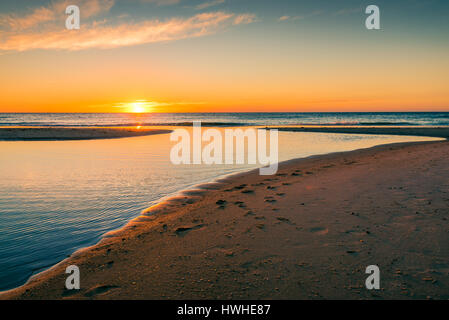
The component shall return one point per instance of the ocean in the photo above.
(284, 118)
(60, 196)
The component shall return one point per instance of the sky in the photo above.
(224, 56)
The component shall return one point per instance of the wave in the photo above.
(144, 124)
(217, 124)
(226, 119)
(357, 123)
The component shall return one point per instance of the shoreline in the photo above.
(437, 132)
(28, 133)
(73, 133)
(173, 208)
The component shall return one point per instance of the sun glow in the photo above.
(138, 107)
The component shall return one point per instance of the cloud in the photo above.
(44, 27)
(149, 104)
(100, 35)
(53, 13)
(209, 4)
(285, 18)
(244, 19)
(300, 17)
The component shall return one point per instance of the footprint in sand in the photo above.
(182, 231)
(164, 229)
(99, 290)
(258, 184)
(319, 230)
(221, 204)
(240, 204)
(282, 219)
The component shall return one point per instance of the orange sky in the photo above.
(238, 62)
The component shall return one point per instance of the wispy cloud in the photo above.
(292, 18)
(42, 16)
(146, 105)
(209, 4)
(38, 29)
(300, 17)
(153, 103)
(244, 19)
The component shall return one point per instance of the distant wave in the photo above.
(440, 115)
(356, 123)
(213, 124)
(226, 119)
(141, 124)
(383, 123)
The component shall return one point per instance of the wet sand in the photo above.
(55, 133)
(308, 232)
(403, 131)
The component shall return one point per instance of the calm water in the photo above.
(123, 119)
(58, 196)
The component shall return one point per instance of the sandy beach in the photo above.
(66, 133)
(308, 232)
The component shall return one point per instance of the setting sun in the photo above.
(137, 107)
